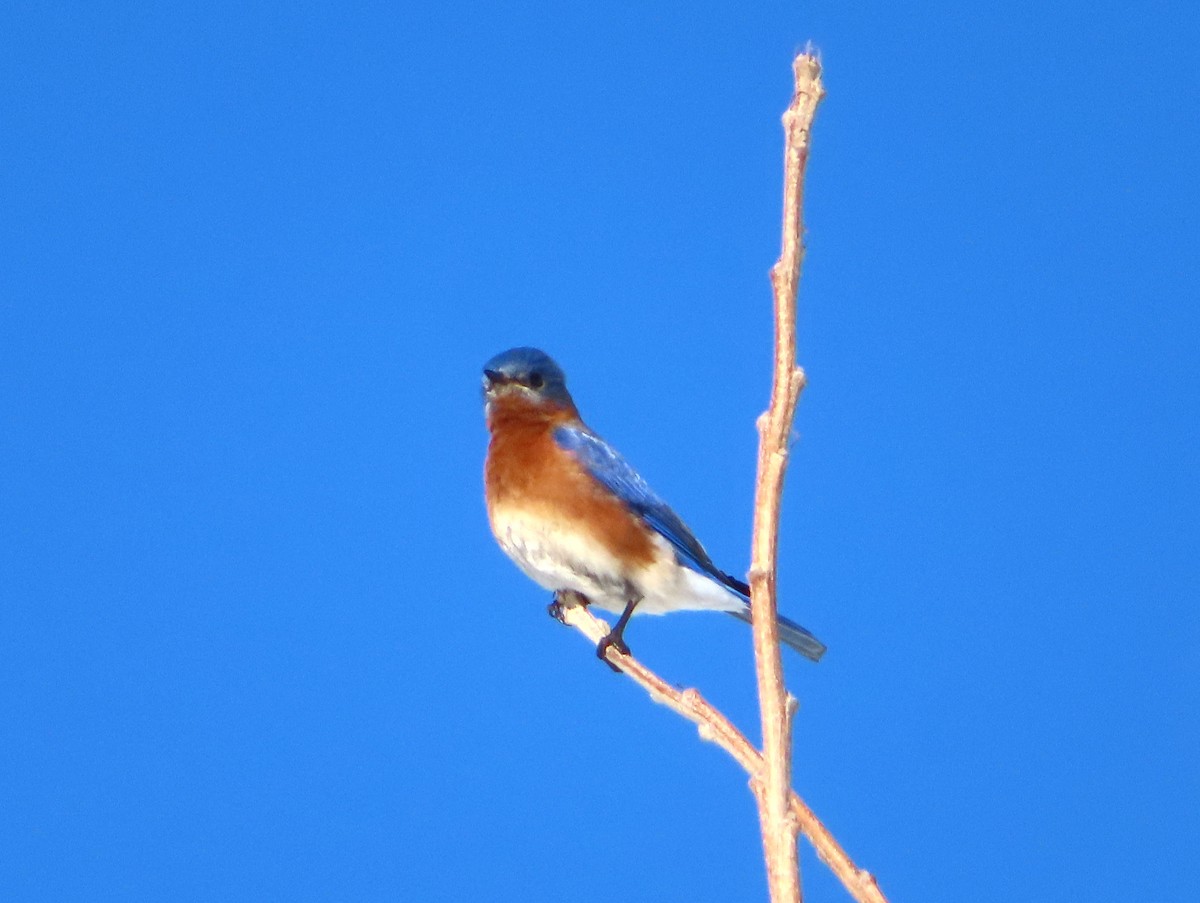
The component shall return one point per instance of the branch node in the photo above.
(793, 706)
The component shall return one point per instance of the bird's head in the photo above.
(527, 374)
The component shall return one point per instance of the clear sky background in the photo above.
(256, 642)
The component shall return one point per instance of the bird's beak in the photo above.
(493, 378)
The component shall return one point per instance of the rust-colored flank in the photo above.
(526, 470)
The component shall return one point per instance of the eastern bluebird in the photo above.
(573, 515)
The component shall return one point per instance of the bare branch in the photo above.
(779, 826)
(689, 703)
(859, 882)
(782, 813)
(715, 727)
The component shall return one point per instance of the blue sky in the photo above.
(256, 642)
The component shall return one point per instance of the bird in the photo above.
(575, 516)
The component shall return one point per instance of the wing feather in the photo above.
(605, 465)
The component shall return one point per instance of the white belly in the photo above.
(559, 559)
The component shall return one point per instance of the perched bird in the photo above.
(573, 515)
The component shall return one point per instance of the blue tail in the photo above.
(791, 633)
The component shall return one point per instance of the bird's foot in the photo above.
(613, 640)
(564, 599)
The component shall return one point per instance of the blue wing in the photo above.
(613, 472)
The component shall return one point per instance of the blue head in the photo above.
(527, 373)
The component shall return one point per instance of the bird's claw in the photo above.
(612, 641)
(555, 610)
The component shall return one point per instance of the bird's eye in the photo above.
(536, 381)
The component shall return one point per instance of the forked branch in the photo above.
(781, 812)
(716, 728)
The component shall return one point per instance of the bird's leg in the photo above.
(616, 637)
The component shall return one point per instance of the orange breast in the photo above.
(525, 468)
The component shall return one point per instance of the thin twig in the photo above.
(689, 703)
(859, 882)
(779, 827)
(715, 727)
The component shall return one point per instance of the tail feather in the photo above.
(792, 634)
